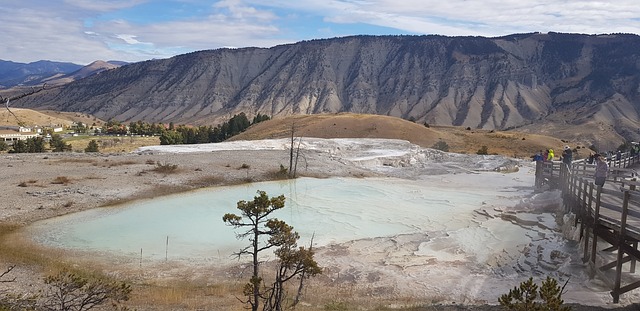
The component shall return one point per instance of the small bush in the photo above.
(92, 146)
(165, 168)
(27, 183)
(61, 180)
(244, 166)
(483, 150)
(336, 306)
(71, 291)
(548, 297)
(280, 174)
(441, 145)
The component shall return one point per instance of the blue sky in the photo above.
(82, 31)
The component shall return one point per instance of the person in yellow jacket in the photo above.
(550, 155)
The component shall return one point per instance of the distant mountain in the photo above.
(14, 74)
(19, 74)
(571, 86)
(93, 68)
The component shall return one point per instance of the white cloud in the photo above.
(130, 39)
(104, 5)
(80, 31)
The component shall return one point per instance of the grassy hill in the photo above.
(459, 139)
(44, 117)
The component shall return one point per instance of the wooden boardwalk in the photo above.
(608, 216)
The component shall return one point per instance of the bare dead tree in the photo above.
(9, 99)
(303, 276)
(293, 130)
(10, 301)
(294, 156)
(5, 273)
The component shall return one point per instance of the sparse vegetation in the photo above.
(165, 168)
(336, 306)
(58, 145)
(92, 146)
(68, 291)
(61, 180)
(441, 145)
(483, 150)
(528, 297)
(277, 174)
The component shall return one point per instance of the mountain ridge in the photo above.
(581, 87)
(14, 74)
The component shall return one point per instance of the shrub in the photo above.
(92, 146)
(165, 168)
(531, 298)
(483, 150)
(441, 145)
(61, 180)
(73, 292)
(244, 166)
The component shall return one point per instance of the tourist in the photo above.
(567, 156)
(602, 169)
(550, 156)
(538, 156)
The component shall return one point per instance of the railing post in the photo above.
(632, 269)
(621, 240)
(539, 171)
(596, 217)
(586, 207)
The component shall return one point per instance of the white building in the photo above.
(21, 133)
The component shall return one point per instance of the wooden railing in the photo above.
(610, 213)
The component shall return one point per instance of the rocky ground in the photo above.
(41, 186)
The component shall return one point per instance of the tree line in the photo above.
(208, 134)
(173, 135)
(37, 145)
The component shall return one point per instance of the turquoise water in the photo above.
(335, 210)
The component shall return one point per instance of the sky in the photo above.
(83, 31)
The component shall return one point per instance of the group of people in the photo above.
(549, 155)
(602, 167)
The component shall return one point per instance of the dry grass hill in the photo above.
(459, 139)
(44, 118)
